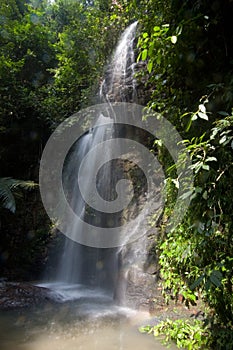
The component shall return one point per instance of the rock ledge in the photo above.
(14, 295)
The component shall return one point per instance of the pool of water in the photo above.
(80, 320)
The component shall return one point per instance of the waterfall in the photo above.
(80, 266)
(119, 84)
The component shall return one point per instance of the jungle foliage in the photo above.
(188, 52)
(52, 59)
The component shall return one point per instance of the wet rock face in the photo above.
(138, 275)
(140, 289)
(15, 295)
(137, 278)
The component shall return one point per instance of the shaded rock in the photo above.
(140, 288)
(137, 281)
(14, 295)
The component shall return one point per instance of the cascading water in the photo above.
(79, 266)
(119, 84)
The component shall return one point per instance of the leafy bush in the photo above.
(182, 48)
(196, 258)
(185, 334)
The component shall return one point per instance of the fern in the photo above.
(8, 186)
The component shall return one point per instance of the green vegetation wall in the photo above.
(188, 50)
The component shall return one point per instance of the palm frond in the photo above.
(6, 196)
(7, 186)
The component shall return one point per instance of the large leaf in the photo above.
(197, 282)
(6, 196)
(8, 186)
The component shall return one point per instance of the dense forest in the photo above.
(52, 61)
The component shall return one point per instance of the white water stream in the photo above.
(77, 264)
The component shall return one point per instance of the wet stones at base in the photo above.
(14, 295)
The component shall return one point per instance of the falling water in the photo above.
(82, 267)
(80, 264)
(119, 84)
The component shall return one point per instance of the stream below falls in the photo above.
(80, 319)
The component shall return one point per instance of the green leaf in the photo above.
(205, 167)
(179, 30)
(194, 117)
(207, 285)
(223, 139)
(202, 108)
(205, 195)
(198, 189)
(150, 66)
(173, 39)
(217, 274)
(216, 278)
(202, 115)
(7, 198)
(144, 54)
(197, 282)
(211, 159)
(7, 185)
(145, 329)
(223, 113)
